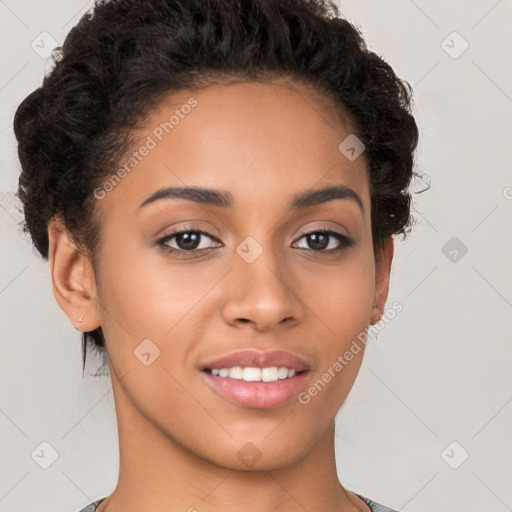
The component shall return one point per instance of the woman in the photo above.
(216, 185)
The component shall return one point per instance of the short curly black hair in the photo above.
(125, 55)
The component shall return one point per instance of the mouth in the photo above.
(261, 380)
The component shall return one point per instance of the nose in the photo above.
(261, 293)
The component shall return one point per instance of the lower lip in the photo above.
(258, 395)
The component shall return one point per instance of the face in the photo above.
(251, 271)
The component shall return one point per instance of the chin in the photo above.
(258, 453)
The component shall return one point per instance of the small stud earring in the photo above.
(81, 318)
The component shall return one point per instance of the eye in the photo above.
(319, 241)
(190, 241)
(186, 240)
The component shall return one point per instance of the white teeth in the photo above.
(251, 374)
(236, 372)
(282, 373)
(269, 374)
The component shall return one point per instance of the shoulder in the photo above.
(92, 506)
(375, 507)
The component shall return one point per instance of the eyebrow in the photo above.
(224, 199)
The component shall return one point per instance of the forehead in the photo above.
(250, 137)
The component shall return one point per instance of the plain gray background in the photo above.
(434, 388)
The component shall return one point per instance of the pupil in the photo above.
(190, 240)
(315, 237)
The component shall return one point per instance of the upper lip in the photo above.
(258, 359)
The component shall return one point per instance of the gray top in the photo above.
(376, 507)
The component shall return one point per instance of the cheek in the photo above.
(342, 300)
(146, 295)
(342, 296)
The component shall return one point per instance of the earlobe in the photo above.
(382, 275)
(73, 280)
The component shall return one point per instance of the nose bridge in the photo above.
(260, 293)
(259, 266)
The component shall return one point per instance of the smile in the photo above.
(251, 374)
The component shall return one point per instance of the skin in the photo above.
(179, 439)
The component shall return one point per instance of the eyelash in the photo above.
(345, 242)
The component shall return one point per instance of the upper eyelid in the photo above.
(179, 231)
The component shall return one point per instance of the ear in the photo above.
(382, 274)
(74, 285)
